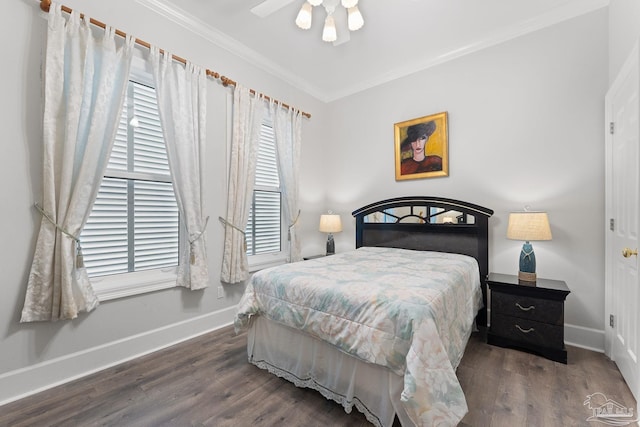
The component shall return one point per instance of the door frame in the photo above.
(627, 68)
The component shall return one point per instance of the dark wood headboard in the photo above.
(429, 224)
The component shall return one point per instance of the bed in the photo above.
(381, 328)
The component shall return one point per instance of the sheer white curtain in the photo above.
(287, 125)
(248, 113)
(181, 92)
(85, 82)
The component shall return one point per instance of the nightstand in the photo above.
(528, 315)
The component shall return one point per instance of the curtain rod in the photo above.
(46, 4)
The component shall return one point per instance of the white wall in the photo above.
(624, 31)
(525, 128)
(33, 355)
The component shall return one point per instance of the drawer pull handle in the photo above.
(524, 331)
(531, 307)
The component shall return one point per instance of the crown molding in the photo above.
(563, 13)
(188, 21)
(222, 40)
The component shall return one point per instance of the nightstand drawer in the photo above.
(526, 307)
(527, 331)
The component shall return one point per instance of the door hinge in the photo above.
(611, 320)
(612, 224)
(611, 127)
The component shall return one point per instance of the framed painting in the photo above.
(422, 147)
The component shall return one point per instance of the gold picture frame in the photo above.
(416, 159)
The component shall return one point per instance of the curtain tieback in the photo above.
(192, 258)
(293, 224)
(235, 227)
(225, 222)
(79, 257)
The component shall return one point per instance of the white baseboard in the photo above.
(26, 381)
(587, 338)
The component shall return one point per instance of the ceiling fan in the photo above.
(340, 20)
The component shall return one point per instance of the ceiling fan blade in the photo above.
(267, 7)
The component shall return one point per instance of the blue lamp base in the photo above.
(331, 245)
(527, 269)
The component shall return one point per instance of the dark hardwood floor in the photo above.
(207, 381)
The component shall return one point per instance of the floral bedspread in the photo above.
(410, 311)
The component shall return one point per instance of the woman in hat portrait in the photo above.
(416, 141)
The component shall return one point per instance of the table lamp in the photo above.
(330, 223)
(528, 226)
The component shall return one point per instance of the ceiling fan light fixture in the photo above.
(303, 20)
(355, 20)
(329, 33)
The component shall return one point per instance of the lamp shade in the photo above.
(355, 20)
(329, 33)
(528, 226)
(303, 20)
(330, 223)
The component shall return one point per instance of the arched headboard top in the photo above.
(452, 204)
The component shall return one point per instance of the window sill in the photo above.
(129, 284)
(259, 262)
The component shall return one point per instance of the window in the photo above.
(264, 232)
(134, 224)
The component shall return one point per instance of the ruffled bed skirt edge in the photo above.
(308, 362)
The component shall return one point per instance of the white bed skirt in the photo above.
(308, 362)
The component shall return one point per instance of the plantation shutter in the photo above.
(263, 233)
(134, 222)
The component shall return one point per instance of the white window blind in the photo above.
(134, 222)
(264, 228)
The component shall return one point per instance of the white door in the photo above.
(623, 204)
